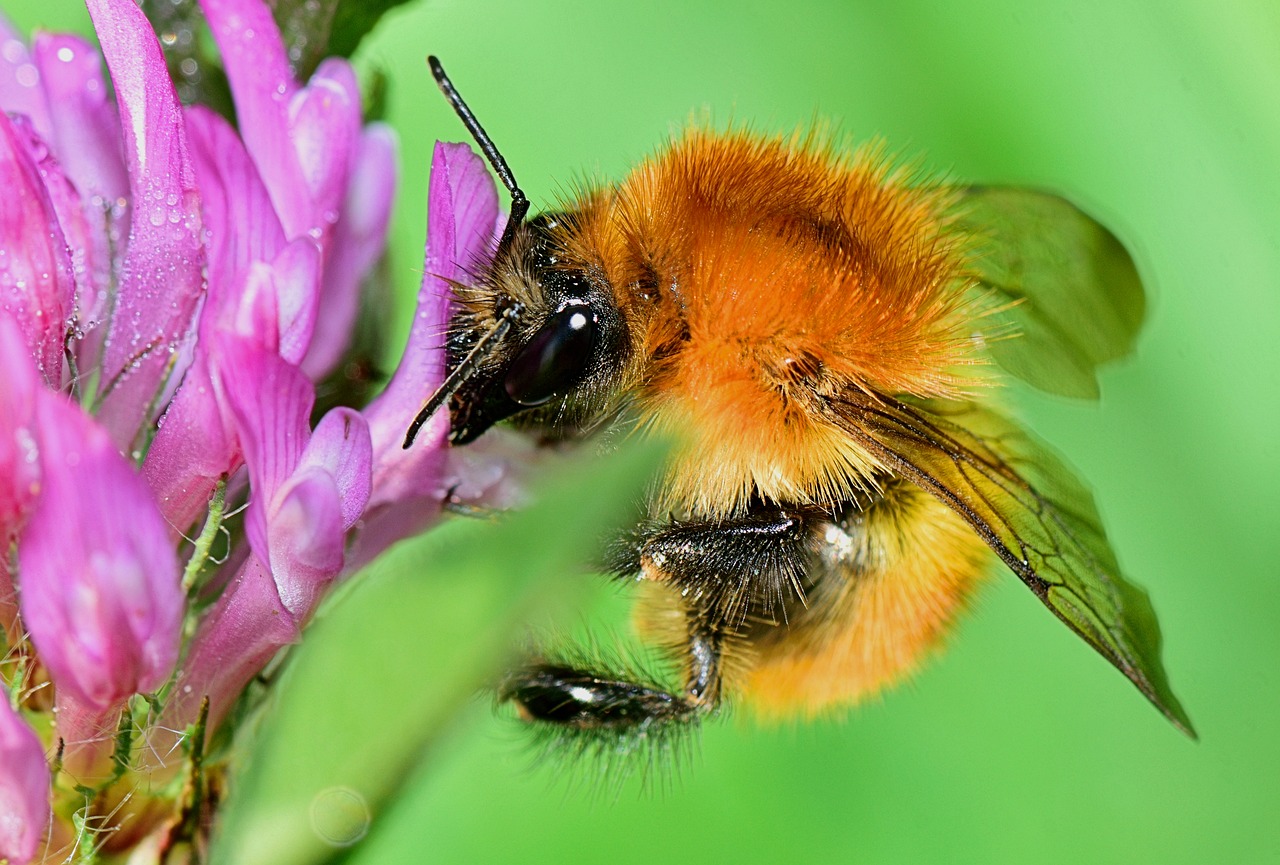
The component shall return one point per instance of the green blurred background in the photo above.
(1019, 744)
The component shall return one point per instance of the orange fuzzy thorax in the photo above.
(765, 275)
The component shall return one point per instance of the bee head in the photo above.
(562, 343)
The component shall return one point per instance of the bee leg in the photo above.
(755, 565)
(586, 699)
(592, 699)
(706, 645)
(722, 571)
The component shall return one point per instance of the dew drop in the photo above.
(27, 448)
(12, 50)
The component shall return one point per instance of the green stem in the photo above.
(204, 543)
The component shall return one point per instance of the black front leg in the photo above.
(724, 571)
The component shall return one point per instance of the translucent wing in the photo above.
(1029, 508)
(1075, 298)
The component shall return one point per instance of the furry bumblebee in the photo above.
(819, 332)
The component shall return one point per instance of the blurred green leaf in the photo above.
(388, 664)
(353, 20)
(190, 54)
(312, 30)
(1075, 300)
(315, 29)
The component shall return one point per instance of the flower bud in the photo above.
(99, 578)
(24, 788)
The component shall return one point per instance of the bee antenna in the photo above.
(519, 203)
(464, 371)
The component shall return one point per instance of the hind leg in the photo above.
(721, 572)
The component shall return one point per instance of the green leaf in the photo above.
(386, 666)
(190, 54)
(1074, 297)
(315, 29)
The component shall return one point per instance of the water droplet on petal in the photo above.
(12, 50)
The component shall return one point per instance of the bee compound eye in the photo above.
(555, 359)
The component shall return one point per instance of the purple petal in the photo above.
(24, 788)
(324, 125)
(85, 133)
(463, 209)
(257, 313)
(99, 578)
(19, 464)
(36, 278)
(271, 400)
(253, 55)
(297, 271)
(19, 458)
(161, 279)
(359, 238)
(240, 221)
(236, 638)
(85, 130)
(306, 535)
(340, 446)
(193, 448)
(301, 139)
(197, 441)
(409, 485)
(20, 90)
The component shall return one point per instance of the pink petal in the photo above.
(463, 209)
(300, 138)
(359, 238)
(19, 463)
(85, 130)
(271, 401)
(36, 278)
(324, 125)
(99, 577)
(340, 446)
(20, 90)
(306, 536)
(194, 446)
(19, 458)
(236, 638)
(253, 55)
(240, 221)
(409, 485)
(297, 270)
(257, 313)
(24, 788)
(161, 280)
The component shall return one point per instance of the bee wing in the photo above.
(1029, 507)
(1072, 294)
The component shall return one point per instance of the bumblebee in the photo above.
(820, 332)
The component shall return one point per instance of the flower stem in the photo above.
(204, 543)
